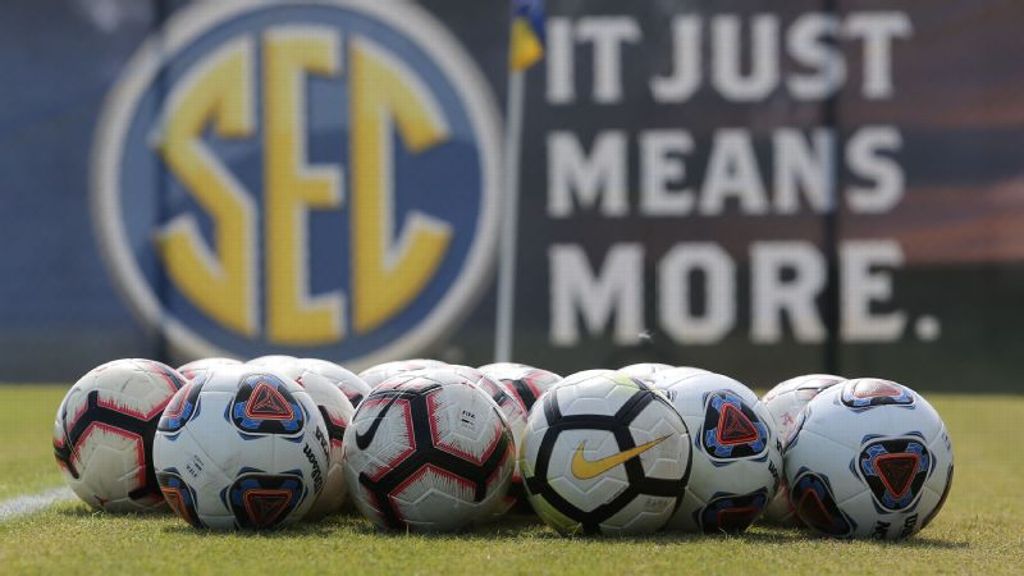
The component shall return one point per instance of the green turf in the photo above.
(26, 429)
(979, 531)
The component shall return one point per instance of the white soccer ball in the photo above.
(524, 383)
(648, 371)
(737, 462)
(195, 367)
(103, 433)
(273, 360)
(584, 376)
(241, 447)
(375, 375)
(426, 362)
(351, 386)
(784, 403)
(515, 415)
(499, 366)
(869, 458)
(604, 454)
(428, 451)
(337, 413)
(645, 371)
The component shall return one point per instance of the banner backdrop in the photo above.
(753, 189)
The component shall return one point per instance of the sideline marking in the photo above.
(32, 503)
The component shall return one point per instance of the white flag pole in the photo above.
(504, 327)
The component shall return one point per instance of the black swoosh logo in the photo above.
(363, 440)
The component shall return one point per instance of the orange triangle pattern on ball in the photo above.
(264, 507)
(897, 472)
(734, 427)
(266, 403)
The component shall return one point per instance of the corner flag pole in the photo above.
(504, 326)
(526, 47)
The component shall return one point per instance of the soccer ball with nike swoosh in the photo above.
(525, 384)
(521, 386)
(429, 451)
(604, 453)
(737, 460)
(103, 433)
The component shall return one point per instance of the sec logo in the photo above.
(312, 178)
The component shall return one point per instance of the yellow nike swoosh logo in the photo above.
(586, 469)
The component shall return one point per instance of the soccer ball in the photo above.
(784, 403)
(241, 447)
(737, 460)
(428, 451)
(195, 367)
(375, 375)
(275, 362)
(584, 376)
(337, 413)
(272, 360)
(426, 362)
(645, 371)
(648, 371)
(103, 433)
(525, 384)
(499, 366)
(604, 453)
(869, 458)
(351, 386)
(515, 415)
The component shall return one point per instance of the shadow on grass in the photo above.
(531, 527)
(780, 535)
(923, 542)
(83, 511)
(516, 526)
(759, 537)
(508, 527)
(295, 531)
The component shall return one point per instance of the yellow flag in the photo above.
(527, 36)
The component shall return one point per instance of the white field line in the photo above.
(32, 503)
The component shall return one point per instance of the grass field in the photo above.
(980, 531)
(26, 430)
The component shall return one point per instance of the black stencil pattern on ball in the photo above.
(618, 425)
(118, 422)
(425, 453)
